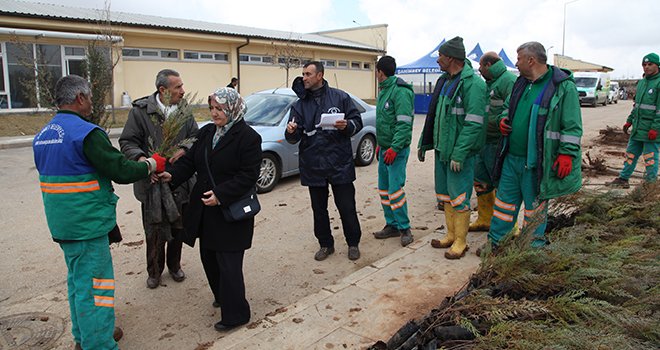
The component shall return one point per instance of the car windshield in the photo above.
(267, 109)
(585, 82)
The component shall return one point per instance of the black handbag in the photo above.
(244, 208)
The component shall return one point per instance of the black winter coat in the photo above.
(234, 164)
(325, 156)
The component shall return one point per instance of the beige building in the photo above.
(206, 54)
(578, 65)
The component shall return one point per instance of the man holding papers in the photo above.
(323, 120)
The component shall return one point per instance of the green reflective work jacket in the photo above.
(394, 114)
(645, 114)
(498, 88)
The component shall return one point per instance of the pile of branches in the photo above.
(596, 286)
(612, 135)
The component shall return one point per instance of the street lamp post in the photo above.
(563, 35)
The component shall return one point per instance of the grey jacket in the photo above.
(144, 122)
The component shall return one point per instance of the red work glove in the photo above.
(626, 126)
(563, 165)
(388, 157)
(377, 151)
(505, 128)
(160, 162)
(652, 134)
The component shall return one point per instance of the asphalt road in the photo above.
(279, 269)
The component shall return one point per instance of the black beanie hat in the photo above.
(453, 48)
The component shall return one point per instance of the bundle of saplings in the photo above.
(595, 286)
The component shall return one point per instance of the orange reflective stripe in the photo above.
(529, 212)
(396, 194)
(630, 155)
(442, 197)
(99, 283)
(503, 205)
(504, 217)
(385, 202)
(70, 187)
(104, 301)
(458, 200)
(648, 155)
(398, 204)
(383, 192)
(650, 162)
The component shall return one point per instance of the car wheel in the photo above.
(366, 151)
(270, 173)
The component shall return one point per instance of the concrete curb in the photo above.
(26, 141)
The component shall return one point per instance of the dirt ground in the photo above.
(279, 269)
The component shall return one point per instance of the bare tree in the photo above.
(103, 55)
(288, 55)
(38, 81)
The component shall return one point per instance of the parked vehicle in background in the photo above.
(268, 114)
(614, 92)
(593, 87)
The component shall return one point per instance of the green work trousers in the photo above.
(91, 290)
(483, 169)
(648, 151)
(391, 180)
(517, 185)
(454, 187)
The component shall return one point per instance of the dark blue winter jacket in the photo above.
(325, 156)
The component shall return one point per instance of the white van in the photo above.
(593, 87)
(614, 92)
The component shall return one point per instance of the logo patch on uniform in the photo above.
(387, 104)
(333, 110)
(650, 91)
(492, 93)
(459, 99)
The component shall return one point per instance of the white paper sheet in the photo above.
(328, 120)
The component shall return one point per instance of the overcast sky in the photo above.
(614, 33)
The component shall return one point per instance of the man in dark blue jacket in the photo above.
(326, 156)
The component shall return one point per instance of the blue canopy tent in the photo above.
(476, 53)
(426, 64)
(506, 60)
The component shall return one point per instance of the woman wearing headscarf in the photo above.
(227, 159)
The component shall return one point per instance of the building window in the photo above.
(74, 60)
(4, 99)
(329, 63)
(342, 64)
(205, 56)
(256, 59)
(150, 54)
(366, 65)
(356, 65)
(17, 55)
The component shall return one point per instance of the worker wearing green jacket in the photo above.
(394, 119)
(454, 127)
(540, 157)
(76, 164)
(499, 82)
(645, 121)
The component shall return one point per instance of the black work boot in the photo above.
(387, 232)
(618, 183)
(406, 237)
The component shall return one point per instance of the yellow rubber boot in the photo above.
(449, 238)
(461, 225)
(485, 205)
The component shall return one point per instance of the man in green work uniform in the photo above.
(645, 122)
(394, 119)
(540, 157)
(499, 82)
(454, 127)
(76, 164)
